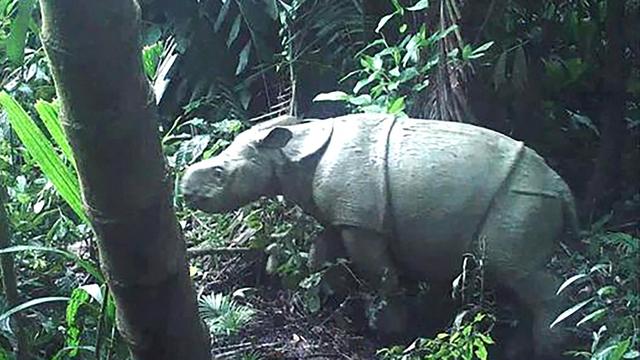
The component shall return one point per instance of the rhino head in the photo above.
(249, 167)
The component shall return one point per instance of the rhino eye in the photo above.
(217, 171)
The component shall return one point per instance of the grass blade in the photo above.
(84, 264)
(31, 303)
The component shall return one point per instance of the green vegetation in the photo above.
(468, 342)
(562, 76)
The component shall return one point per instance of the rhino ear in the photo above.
(277, 138)
(309, 138)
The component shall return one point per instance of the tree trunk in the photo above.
(110, 118)
(9, 283)
(603, 187)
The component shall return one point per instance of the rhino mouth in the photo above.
(207, 204)
(199, 202)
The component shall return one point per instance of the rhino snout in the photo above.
(195, 201)
(195, 181)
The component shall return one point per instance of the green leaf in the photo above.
(443, 34)
(594, 316)
(607, 290)
(30, 304)
(466, 52)
(84, 264)
(570, 281)
(221, 15)
(151, 56)
(570, 312)
(49, 114)
(482, 48)
(396, 106)
(38, 146)
(244, 58)
(396, 4)
(420, 5)
(18, 35)
(620, 349)
(332, 96)
(361, 100)
(364, 82)
(79, 298)
(235, 30)
(3, 6)
(383, 21)
(481, 351)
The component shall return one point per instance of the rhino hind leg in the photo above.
(522, 230)
(519, 238)
(538, 292)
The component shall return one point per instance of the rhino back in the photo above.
(442, 179)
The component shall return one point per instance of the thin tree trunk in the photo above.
(110, 118)
(603, 187)
(9, 283)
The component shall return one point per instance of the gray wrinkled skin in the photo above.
(408, 197)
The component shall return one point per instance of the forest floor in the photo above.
(281, 327)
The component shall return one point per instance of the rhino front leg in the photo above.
(326, 251)
(327, 247)
(369, 252)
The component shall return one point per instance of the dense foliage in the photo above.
(562, 76)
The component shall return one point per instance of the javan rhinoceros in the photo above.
(408, 196)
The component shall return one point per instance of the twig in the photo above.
(246, 346)
(322, 355)
(218, 251)
(487, 16)
(626, 225)
(342, 305)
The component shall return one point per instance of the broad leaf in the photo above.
(62, 177)
(18, 36)
(397, 106)
(331, 96)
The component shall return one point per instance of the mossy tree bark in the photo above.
(110, 117)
